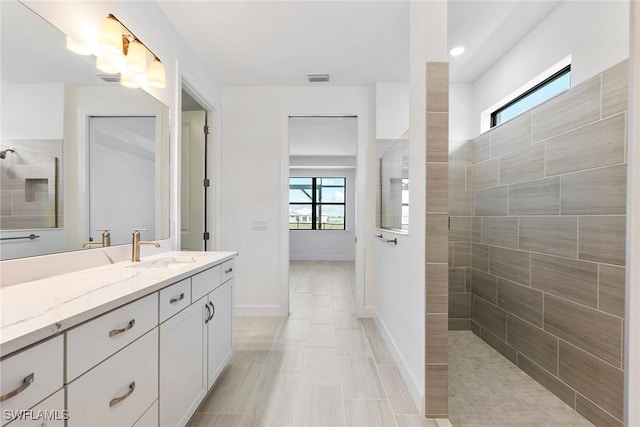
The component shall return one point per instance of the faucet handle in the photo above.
(104, 230)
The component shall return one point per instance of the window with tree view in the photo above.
(317, 203)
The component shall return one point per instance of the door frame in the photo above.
(361, 309)
(213, 165)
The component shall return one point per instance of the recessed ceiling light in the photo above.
(457, 51)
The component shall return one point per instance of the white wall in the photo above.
(392, 110)
(400, 270)
(595, 34)
(327, 245)
(255, 169)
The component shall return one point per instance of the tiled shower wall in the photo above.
(460, 211)
(548, 250)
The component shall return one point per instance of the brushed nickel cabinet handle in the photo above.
(208, 313)
(175, 300)
(117, 400)
(26, 382)
(115, 332)
(213, 310)
(228, 270)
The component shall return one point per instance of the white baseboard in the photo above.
(260, 310)
(413, 384)
(321, 258)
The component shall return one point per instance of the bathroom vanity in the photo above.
(128, 344)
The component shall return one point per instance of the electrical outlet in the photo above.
(259, 225)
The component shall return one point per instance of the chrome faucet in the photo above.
(106, 240)
(135, 250)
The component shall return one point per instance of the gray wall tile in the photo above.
(476, 229)
(482, 147)
(437, 394)
(512, 135)
(492, 201)
(480, 257)
(599, 382)
(490, 317)
(568, 278)
(438, 288)
(521, 301)
(437, 348)
(437, 187)
(460, 203)
(438, 137)
(499, 345)
(460, 305)
(533, 342)
(595, 192)
(551, 235)
(457, 177)
(538, 197)
(569, 110)
(550, 382)
(486, 174)
(463, 154)
(596, 145)
(437, 238)
(484, 285)
(509, 264)
(602, 239)
(457, 279)
(462, 254)
(459, 324)
(614, 89)
(611, 289)
(522, 165)
(460, 230)
(438, 87)
(594, 414)
(594, 331)
(500, 231)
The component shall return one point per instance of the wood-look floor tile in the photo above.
(320, 366)
(233, 391)
(352, 342)
(346, 320)
(381, 353)
(321, 301)
(253, 349)
(301, 299)
(293, 330)
(216, 420)
(299, 311)
(319, 406)
(420, 421)
(273, 401)
(321, 336)
(396, 389)
(369, 413)
(266, 326)
(285, 358)
(321, 316)
(359, 378)
(369, 326)
(244, 322)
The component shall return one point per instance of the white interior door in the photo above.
(121, 148)
(192, 180)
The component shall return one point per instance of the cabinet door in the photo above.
(182, 364)
(48, 413)
(219, 332)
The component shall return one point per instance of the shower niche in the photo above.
(30, 186)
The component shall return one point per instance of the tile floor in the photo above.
(323, 367)
(485, 389)
(319, 367)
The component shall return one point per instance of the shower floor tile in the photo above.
(485, 389)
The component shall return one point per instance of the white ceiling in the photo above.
(276, 43)
(488, 30)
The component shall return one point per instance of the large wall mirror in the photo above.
(393, 184)
(78, 151)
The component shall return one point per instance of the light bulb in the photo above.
(111, 35)
(105, 67)
(156, 77)
(457, 51)
(137, 57)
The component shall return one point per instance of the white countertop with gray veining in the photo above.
(32, 311)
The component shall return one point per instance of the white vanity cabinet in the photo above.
(48, 413)
(182, 365)
(219, 331)
(31, 376)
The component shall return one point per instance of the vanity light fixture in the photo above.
(127, 81)
(105, 67)
(117, 39)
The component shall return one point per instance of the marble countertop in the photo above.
(32, 311)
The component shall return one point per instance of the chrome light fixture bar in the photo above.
(118, 40)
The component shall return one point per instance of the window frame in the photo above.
(316, 202)
(558, 74)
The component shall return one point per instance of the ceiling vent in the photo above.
(110, 78)
(315, 78)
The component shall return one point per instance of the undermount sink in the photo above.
(173, 262)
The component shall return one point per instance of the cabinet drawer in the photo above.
(150, 418)
(226, 270)
(119, 390)
(53, 413)
(89, 344)
(204, 282)
(174, 299)
(32, 375)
